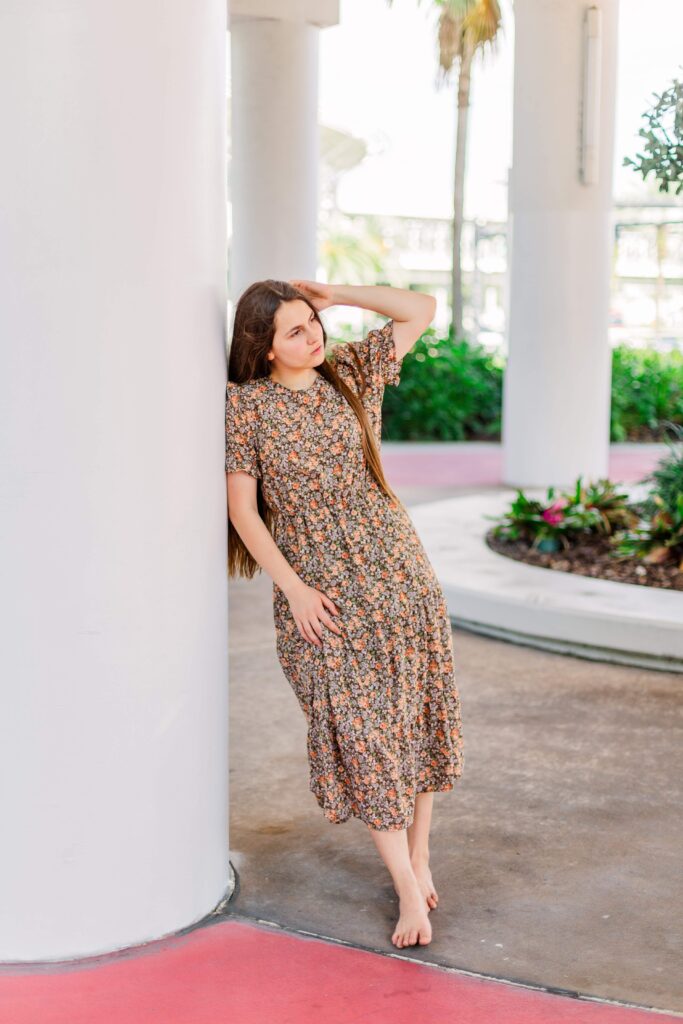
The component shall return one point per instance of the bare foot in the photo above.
(424, 880)
(413, 923)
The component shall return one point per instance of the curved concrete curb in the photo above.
(559, 611)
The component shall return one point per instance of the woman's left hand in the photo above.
(319, 295)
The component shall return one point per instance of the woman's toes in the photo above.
(413, 918)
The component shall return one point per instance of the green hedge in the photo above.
(451, 390)
(647, 390)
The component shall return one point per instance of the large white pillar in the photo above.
(113, 727)
(557, 381)
(274, 137)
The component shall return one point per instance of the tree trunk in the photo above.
(459, 184)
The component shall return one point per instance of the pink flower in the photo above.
(553, 514)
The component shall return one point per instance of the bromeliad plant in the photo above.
(657, 539)
(658, 535)
(547, 525)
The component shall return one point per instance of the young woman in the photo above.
(362, 631)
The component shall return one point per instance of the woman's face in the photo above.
(298, 339)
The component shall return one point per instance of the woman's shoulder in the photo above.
(246, 389)
(245, 398)
(241, 385)
(375, 355)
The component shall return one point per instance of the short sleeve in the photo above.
(241, 448)
(377, 355)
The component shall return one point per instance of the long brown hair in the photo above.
(252, 336)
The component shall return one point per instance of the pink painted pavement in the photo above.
(243, 973)
(471, 464)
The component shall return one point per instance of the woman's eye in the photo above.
(298, 328)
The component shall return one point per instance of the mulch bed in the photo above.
(592, 556)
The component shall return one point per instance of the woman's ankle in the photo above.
(406, 883)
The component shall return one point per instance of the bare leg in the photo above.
(418, 846)
(413, 923)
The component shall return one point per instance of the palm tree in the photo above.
(345, 256)
(464, 27)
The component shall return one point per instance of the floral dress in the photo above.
(380, 698)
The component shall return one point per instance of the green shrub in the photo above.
(658, 535)
(667, 476)
(647, 390)
(450, 391)
(657, 539)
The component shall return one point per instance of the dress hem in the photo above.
(444, 787)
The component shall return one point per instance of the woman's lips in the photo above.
(316, 350)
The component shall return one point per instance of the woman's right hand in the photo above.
(318, 294)
(309, 608)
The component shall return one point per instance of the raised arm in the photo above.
(412, 312)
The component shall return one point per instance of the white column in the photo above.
(274, 138)
(557, 382)
(113, 729)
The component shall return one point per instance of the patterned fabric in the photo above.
(380, 699)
